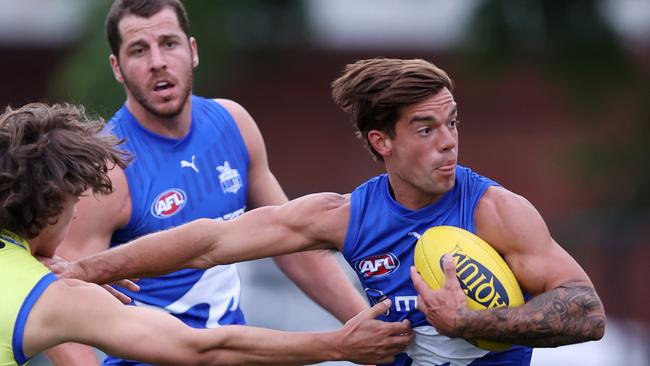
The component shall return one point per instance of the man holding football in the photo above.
(405, 113)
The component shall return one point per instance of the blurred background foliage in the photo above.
(227, 32)
(578, 50)
(569, 41)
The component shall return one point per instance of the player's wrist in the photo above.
(334, 345)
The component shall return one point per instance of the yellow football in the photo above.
(485, 278)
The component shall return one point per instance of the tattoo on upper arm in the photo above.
(568, 314)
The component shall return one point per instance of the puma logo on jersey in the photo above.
(187, 164)
(168, 203)
(378, 265)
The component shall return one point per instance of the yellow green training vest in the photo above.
(22, 281)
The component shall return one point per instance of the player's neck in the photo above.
(174, 127)
(408, 195)
(34, 245)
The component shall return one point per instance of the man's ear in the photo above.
(194, 48)
(115, 66)
(380, 142)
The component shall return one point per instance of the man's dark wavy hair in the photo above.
(373, 91)
(141, 8)
(47, 154)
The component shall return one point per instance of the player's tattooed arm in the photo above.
(565, 309)
(570, 313)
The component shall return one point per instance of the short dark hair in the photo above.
(141, 8)
(48, 153)
(373, 91)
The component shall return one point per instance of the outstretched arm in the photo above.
(566, 308)
(74, 311)
(307, 223)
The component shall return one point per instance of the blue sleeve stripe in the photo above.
(23, 313)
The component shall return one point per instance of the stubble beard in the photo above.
(140, 97)
(443, 186)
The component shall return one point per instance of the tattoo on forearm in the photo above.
(568, 314)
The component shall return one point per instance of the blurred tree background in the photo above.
(569, 41)
(228, 33)
(577, 50)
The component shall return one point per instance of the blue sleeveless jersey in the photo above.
(173, 181)
(379, 245)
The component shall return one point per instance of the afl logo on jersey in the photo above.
(378, 265)
(168, 203)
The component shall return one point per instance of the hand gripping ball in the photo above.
(485, 278)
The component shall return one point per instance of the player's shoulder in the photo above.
(507, 220)
(66, 310)
(236, 110)
(500, 202)
(64, 295)
(243, 120)
(64, 287)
